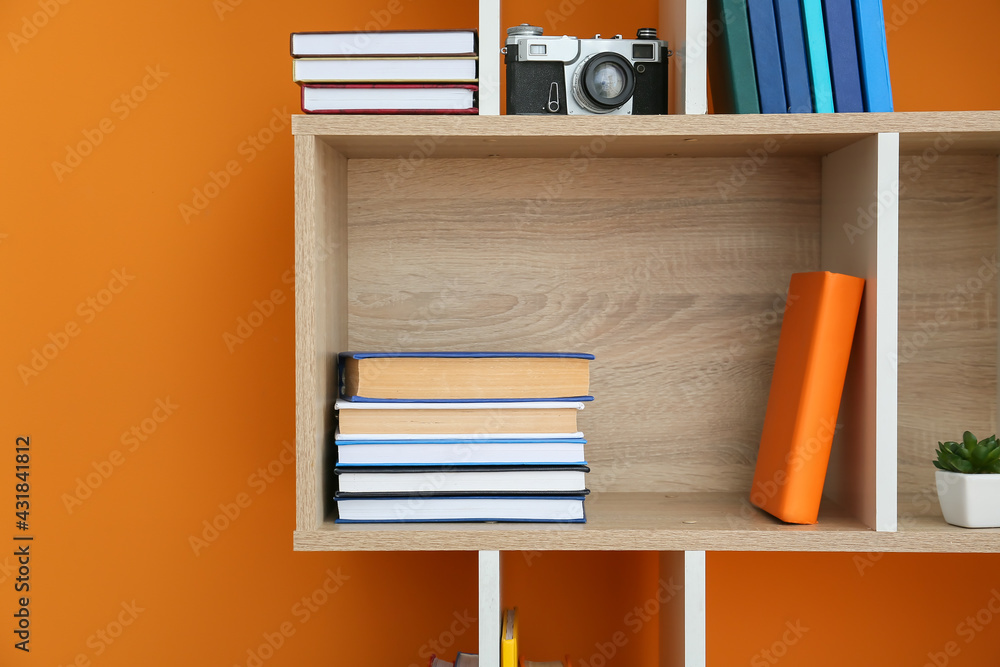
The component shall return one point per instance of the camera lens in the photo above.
(603, 82)
(609, 80)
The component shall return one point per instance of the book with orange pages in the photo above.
(808, 380)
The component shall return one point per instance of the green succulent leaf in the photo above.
(992, 456)
(977, 455)
(954, 448)
(970, 456)
(965, 466)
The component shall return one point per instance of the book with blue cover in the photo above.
(507, 508)
(464, 376)
(794, 62)
(457, 480)
(819, 59)
(459, 452)
(767, 56)
(845, 72)
(870, 28)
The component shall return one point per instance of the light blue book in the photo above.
(869, 22)
(819, 61)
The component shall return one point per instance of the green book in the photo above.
(730, 58)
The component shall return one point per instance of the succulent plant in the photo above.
(969, 456)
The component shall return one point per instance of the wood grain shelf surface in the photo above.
(659, 522)
(420, 137)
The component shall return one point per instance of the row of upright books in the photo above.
(461, 436)
(399, 72)
(798, 56)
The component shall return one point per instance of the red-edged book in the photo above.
(389, 98)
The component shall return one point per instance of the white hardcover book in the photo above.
(385, 43)
(318, 70)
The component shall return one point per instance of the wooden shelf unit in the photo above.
(664, 246)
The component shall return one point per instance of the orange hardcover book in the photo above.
(808, 380)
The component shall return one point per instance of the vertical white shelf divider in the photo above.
(684, 24)
(489, 609)
(860, 237)
(682, 614)
(490, 43)
(694, 609)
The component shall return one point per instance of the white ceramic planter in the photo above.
(970, 501)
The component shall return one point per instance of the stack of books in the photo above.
(402, 72)
(461, 436)
(798, 56)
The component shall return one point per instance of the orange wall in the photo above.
(137, 300)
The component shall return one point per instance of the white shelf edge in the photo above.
(489, 609)
(490, 43)
(684, 24)
(860, 237)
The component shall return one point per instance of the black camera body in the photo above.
(566, 75)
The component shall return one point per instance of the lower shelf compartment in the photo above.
(660, 522)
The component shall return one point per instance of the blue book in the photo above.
(870, 26)
(767, 56)
(513, 508)
(426, 451)
(794, 63)
(845, 73)
(819, 61)
(465, 376)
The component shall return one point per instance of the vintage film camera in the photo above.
(567, 75)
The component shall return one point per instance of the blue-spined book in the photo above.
(819, 59)
(869, 23)
(794, 62)
(465, 376)
(507, 508)
(767, 56)
(461, 480)
(845, 73)
(459, 452)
